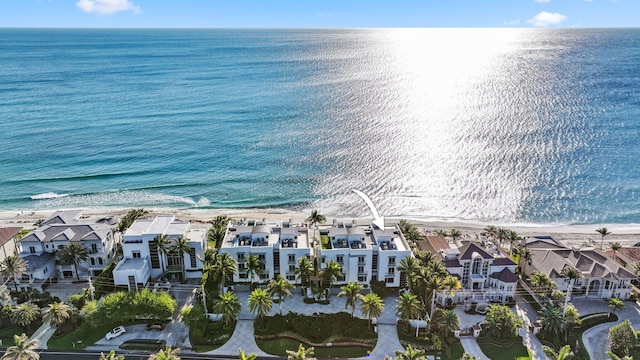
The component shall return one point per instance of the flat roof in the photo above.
(159, 224)
(130, 264)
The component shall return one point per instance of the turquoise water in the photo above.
(508, 125)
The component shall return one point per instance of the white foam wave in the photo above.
(47, 195)
(115, 198)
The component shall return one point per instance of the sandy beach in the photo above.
(581, 235)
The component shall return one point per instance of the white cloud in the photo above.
(106, 7)
(544, 19)
(542, 1)
(511, 22)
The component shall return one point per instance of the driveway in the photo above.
(596, 340)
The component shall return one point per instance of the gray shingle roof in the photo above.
(506, 276)
(468, 248)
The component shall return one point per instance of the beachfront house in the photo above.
(278, 247)
(9, 241)
(142, 260)
(38, 247)
(602, 277)
(484, 272)
(365, 253)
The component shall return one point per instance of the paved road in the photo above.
(471, 347)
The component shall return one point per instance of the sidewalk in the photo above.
(43, 334)
(528, 315)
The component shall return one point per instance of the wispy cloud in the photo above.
(511, 22)
(542, 1)
(544, 19)
(107, 7)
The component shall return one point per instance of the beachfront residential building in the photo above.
(142, 260)
(602, 277)
(485, 274)
(9, 241)
(365, 253)
(38, 247)
(278, 247)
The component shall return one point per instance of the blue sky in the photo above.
(318, 13)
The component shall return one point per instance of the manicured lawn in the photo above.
(515, 351)
(280, 346)
(456, 351)
(210, 336)
(6, 335)
(143, 345)
(81, 337)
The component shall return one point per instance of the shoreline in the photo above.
(569, 234)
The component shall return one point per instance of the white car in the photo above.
(117, 331)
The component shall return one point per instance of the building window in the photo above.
(323, 259)
(388, 280)
(94, 248)
(241, 267)
(360, 269)
(46, 270)
(340, 259)
(264, 276)
(292, 268)
(362, 278)
(361, 259)
(192, 257)
(476, 265)
(292, 258)
(60, 247)
(291, 277)
(100, 262)
(391, 270)
(136, 254)
(392, 261)
(32, 249)
(92, 261)
(25, 277)
(243, 276)
(240, 256)
(262, 257)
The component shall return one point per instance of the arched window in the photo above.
(477, 263)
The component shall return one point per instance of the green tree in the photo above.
(5, 296)
(316, 218)
(351, 292)
(616, 357)
(216, 233)
(24, 314)
(410, 354)
(512, 236)
(554, 324)
(22, 349)
(163, 248)
(603, 231)
(111, 356)
(304, 270)
(622, 338)
(254, 267)
(371, 306)
(280, 287)
(467, 356)
(501, 321)
(525, 259)
(260, 302)
(446, 321)
(243, 356)
(56, 314)
(73, 254)
(410, 266)
(636, 267)
(616, 304)
(564, 354)
(130, 217)
(12, 268)
(408, 307)
(180, 248)
(166, 354)
(301, 354)
(615, 246)
(223, 266)
(572, 274)
(332, 272)
(228, 304)
(455, 234)
(542, 283)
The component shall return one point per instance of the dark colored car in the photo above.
(155, 326)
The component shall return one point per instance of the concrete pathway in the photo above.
(43, 334)
(471, 347)
(530, 341)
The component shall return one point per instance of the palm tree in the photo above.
(254, 267)
(332, 272)
(410, 354)
(74, 253)
(553, 322)
(408, 307)
(228, 304)
(301, 354)
(572, 274)
(446, 321)
(525, 258)
(280, 287)
(467, 356)
(25, 313)
(304, 270)
(371, 306)
(512, 236)
(111, 356)
(166, 354)
(162, 246)
(542, 283)
(181, 247)
(616, 357)
(447, 284)
(56, 314)
(615, 246)
(223, 267)
(216, 233)
(22, 349)
(13, 267)
(564, 353)
(127, 220)
(455, 234)
(603, 232)
(260, 302)
(636, 267)
(409, 265)
(316, 218)
(246, 357)
(352, 292)
(616, 304)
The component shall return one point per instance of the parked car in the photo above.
(117, 331)
(155, 326)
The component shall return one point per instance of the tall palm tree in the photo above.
(553, 322)
(615, 246)
(166, 354)
(408, 307)
(512, 236)
(228, 304)
(332, 272)
(410, 354)
(126, 221)
(446, 284)
(541, 283)
(5, 296)
(491, 231)
(410, 266)
(25, 313)
(111, 356)
(254, 267)
(223, 267)
(455, 234)
(316, 218)
(603, 232)
(243, 356)
(280, 287)
(304, 270)
(616, 304)
(260, 302)
(301, 354)
(22, 349)
(181, 247)
(371, 306)
(217, 231)
(564, 353)
(572, 274)
(13, 267)
(446, 321)
(351, 292)
(525, 258)
(56, 314)
(613, 356)
(74, 253)
(163, 247)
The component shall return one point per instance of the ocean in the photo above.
(509, 126)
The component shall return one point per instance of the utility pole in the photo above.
(91, 289)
